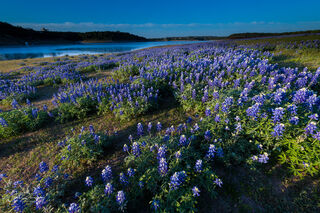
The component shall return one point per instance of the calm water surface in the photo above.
(41, 51)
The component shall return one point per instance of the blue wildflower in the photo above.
(278, 130)
(159, 126)
(211, 151)
(106, 174)
(120, 198)
(196, 191)
(198, 166)
(74, 208)
(136, 149)
(277, 114)
(108, 189)
(218, 182)
(177, 179)
(310, 128)
(89, 181)
(43, 167)
(40, 202)
(207, 135)
(183, 140)
(125, 148)
(139, 129)
(123, 179)
(130, 172)
(163, 167)
(18, 204)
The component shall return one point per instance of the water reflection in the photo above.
(40, 51)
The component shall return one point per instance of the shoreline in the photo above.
(14, 64)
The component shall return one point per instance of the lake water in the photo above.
(41, 51)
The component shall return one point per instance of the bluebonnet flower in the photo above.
(254, 158)
(253, 111)
(312, 100)
(217, 119)
(263, 158)
(34, 112)
(208, 112)
(2, 176)
(238, 127)
(178, 154)
(317, 136)
(89, 181)
(279, 95)
(300, 96)
(226, 104)
(211, 151)
(183, 140)
(313, 117)
(77, 195)
(161, 152)
(292, 108)
(40, 202)
(172, 129)
(294, 120)
(207, 135)
(196, 127)
(155, 205)
(91, 129)
(37, 177)
(205, 96)
(189, 120)
(277, 114)
(125, 148)
(218, 182)
(3, 122)
(43, 167)
(149, 127)
(198, 166)
(196, 191)
(120, 198)
(139, 129)
(66, 176)
(108, 190)
(130, 172)
(141, 184)
(55, 168)
(130, 138)
(305, 165)
(18, 183)
(278, 130)
(310, 128)
(136, 149)
(194, 94)
(38, 192)
(15, 104)
(163, 167)
(18, 204)
(74, 208)
(106, 174)
(159, 126)
(123, 179)
(177, 179)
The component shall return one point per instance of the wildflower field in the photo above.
(221, 126)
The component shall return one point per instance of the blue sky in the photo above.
(166, 17)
